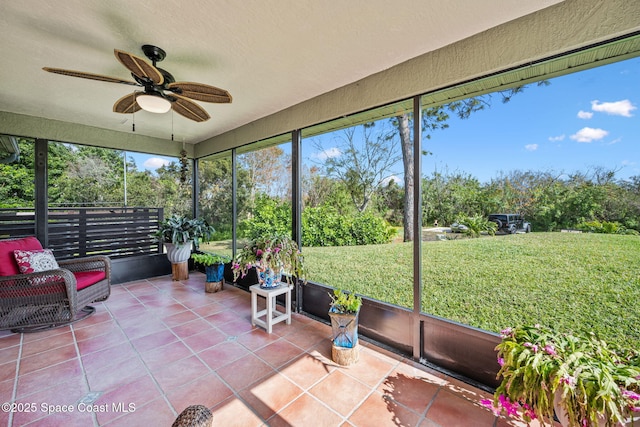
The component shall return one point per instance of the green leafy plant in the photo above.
(180, 230)
(591, 381)
(275, 251)
(326, 226)
(476, 225)
(344, 302)
(605, 227)
(208, 259)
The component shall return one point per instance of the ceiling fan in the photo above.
(161, 91)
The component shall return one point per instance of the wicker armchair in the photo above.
(47, 299)
(194, 416)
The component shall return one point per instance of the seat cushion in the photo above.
(88, 278)
(35, 261)
(8, 264)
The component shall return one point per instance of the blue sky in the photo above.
(578, 122)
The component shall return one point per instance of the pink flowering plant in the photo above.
(276, 252)
(592, 382)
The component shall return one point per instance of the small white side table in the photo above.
(270, 313)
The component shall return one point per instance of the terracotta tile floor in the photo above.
(157, 346)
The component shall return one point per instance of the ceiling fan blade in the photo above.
(139, 66)
(201, 92)
(127, 104)
(189, 109)
(89, 76)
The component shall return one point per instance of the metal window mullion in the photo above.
(234, 202)
(417, 226)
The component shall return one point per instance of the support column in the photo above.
(41, 191)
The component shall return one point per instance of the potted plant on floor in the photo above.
(273, 256)
(585, 381)
(344, 310)
(178, 234)
(214, 269)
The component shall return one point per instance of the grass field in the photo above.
(586, 282)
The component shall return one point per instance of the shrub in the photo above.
(325, 226)
(321, 226)
(477, 224)
(368, 229)
(270, 216)
(605, 227)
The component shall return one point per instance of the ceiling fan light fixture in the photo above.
(153, 103)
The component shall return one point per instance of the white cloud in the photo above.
(531, 147)
(628, 163)
(618, 108)
(584, 115)
(155, 162)
(589, 134)
(556, 138)
(328, 153)
(388, 179)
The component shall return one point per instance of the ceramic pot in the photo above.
(268, 278)
(215, 272)
(178, 253)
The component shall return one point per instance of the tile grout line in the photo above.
(14, 393)
(235, 393)
(374, 389)
(146, 367)
(84, 372)
(194, 353)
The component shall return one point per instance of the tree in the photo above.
(17, 179)
(446, 196)
(364, 164)
(215, 198)
(389, 202)
(434, 118)
(175, 194)
(266, 171)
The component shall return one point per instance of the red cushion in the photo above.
(8, 265)
(88, 278)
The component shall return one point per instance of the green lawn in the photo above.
(565, 280)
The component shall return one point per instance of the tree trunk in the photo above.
(407, 159)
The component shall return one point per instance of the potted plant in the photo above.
(343, 312)
(272, 256)
(178, 234)
(585, 381)
(214, 269)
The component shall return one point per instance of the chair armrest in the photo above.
(58, 280)
(90, 263)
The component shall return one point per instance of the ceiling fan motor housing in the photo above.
(154, 53)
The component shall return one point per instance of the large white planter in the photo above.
(178, 253)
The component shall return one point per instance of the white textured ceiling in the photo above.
(269, 54)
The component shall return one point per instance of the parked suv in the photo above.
(510, 223)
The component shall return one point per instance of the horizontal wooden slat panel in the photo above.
(77, 232)
(17, 222)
